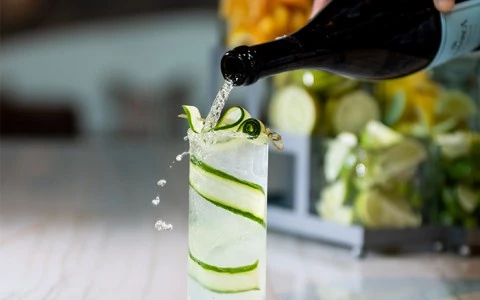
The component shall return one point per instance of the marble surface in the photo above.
(76, 222)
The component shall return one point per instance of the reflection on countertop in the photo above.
(306, 270)
(76, 222)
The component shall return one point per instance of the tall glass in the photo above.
(227, 217)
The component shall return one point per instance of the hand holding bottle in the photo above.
(364, 39)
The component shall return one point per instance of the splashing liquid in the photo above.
(161, 225)
(210, 122)
(156, 201)
(217, 106)
(180, 156)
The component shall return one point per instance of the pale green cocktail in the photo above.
(227, 214)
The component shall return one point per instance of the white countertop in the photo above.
(76, 222)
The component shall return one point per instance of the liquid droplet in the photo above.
(161, 225)
(162, 182)
(180, 156)
(156, 201)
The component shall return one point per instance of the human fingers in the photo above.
(318, 5)
(444, 5)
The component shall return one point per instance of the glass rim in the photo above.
(226, 134)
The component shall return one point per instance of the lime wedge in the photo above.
(400, 160)
(331, 204)
(293, 109)
(376, 210)
(224, 280)
(368, 209)
(352, 111)
(314, 80)
(334, 194)
(336, 154)
(341, 214)
(346, 86)
(232, 118)
(376, 136)
(236, 195)
(444, 126)
(455, 104)
(454, 145)
(468, 198)
(195, 120)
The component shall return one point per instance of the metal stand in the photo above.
(464, 241)
(301, 221)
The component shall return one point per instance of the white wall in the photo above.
(77, 60)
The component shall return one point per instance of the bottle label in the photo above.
(460, 31)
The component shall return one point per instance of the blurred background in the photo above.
(89, 97)
(85, 68)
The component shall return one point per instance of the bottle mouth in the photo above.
(236, 66)
(233, 69)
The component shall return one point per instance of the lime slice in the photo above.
(336, 154)
(468, 198)
(395, 108)
(224, 279)
(236, 195)
(314, 80)
(232, 118)
(454, 145)
(444, 126)
(455, 104)
(343, 87)
(334, 194)
(331, 204)
(376, 210)
(341, 214)
(400, 160)
(293, 109)
(195, 120)
(415, 129)
(376, 136)
(317, 81)
(352, 112)
(368, 209)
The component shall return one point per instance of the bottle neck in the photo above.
(244, 65)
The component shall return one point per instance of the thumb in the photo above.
(444, 5)
(318, 5)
